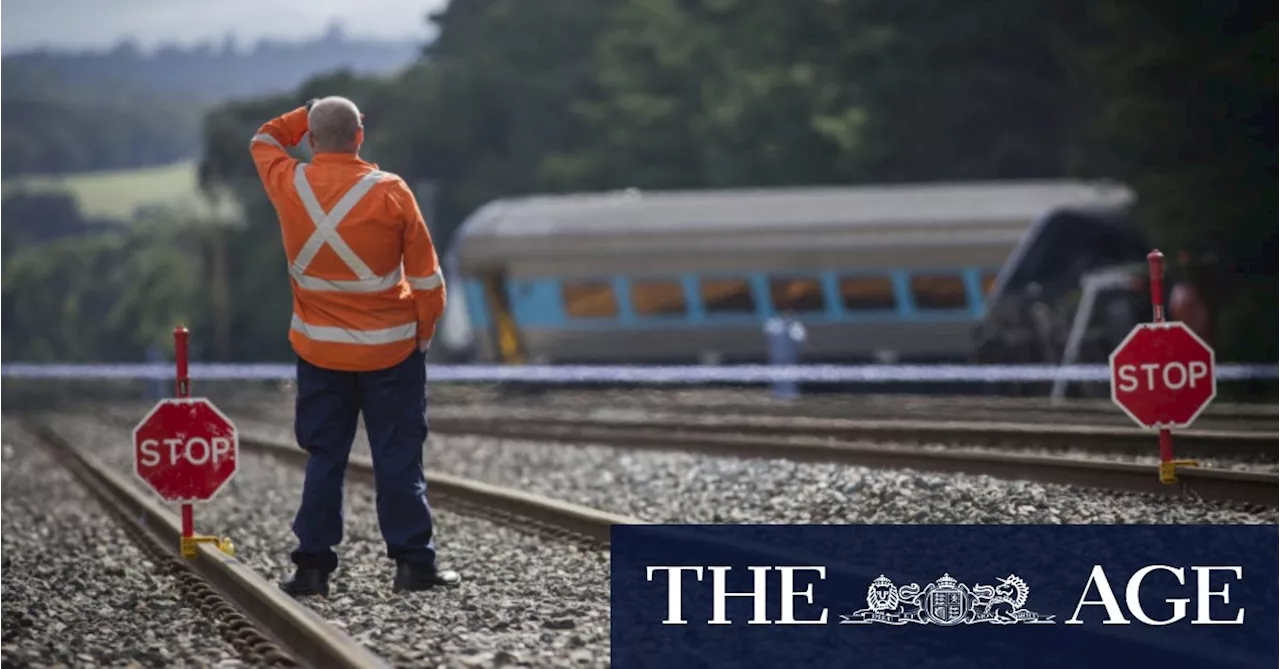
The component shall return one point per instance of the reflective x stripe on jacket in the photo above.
(326, 232)
(366, 280)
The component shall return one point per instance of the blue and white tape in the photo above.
(655, 375)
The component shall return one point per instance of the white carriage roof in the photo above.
(633, 212)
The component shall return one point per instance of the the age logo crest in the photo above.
(946, 602)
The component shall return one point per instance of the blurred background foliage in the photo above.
(1178, 99)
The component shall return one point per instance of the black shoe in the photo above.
(307, 582)
(417, 577)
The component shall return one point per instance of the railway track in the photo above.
(266, 626)
(1226, 417)
(775, 440)
(1105, 440)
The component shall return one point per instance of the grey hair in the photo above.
(333, 122)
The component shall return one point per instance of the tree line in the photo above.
(124, 108)
(1177, 99)
(214, 72)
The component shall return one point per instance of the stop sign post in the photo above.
(186, 450)
(1162, 374)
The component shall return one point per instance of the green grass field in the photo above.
(117, 193)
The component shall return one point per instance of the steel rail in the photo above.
(309, 639)
(1084, 438)
(1255, 488)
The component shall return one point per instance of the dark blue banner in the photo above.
(1026, 596)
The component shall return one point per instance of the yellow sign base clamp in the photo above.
(1169, 470)
(190, 545)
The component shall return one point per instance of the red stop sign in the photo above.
(185, 449)
(1162, 375)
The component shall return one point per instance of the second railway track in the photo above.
(776, 441)
(1219, 417)
(1258, 445)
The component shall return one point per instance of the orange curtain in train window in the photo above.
(657, 298)
(938, 291)
(796, 294)
(868, 293)
(589, 300)
(727, 296)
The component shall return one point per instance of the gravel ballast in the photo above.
(524, 600)
(77, 592)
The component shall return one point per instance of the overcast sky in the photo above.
(82, 24)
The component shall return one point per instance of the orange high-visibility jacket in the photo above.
(366, 281)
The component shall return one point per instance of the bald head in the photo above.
(334, 123)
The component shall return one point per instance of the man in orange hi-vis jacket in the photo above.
(367, 292)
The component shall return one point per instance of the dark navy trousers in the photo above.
(394, 404)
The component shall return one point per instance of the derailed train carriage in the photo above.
(1039, 294)
(881, 273)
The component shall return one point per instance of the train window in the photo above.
(657, 298)
(868, 293)
(728, 296)
(988, 282)
(589, 300)
(796, 294)
(938, 291)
